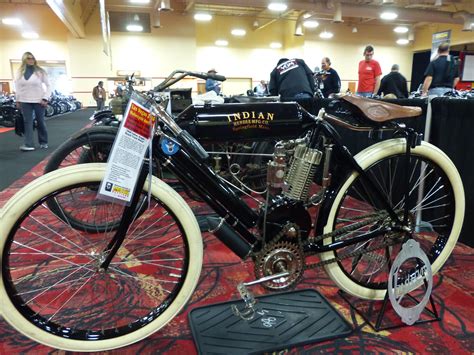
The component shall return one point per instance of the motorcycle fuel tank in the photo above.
(244, 122)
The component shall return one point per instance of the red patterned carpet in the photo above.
(453, 294)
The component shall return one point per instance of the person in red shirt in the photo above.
(369, 74)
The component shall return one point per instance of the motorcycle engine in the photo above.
(292, 180)
(295, 178)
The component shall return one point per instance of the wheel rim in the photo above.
(432, 229)
(50, 269)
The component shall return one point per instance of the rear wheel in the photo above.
(52, 289)
(435, 210)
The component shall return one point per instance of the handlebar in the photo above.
(170, 80)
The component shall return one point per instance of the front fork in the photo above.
(128, 215)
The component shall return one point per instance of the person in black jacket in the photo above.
(331, 83)
(292, 80)
(394, 83)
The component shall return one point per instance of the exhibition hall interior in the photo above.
(236, 176)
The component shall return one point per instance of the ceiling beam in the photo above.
(69, 15)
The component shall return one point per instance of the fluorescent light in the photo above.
(11, 21)
(402, 41)
(310, 23)
(401, 29)
(275, 45)
(388, 15)
(238, 32)
(135, 28)
(277, 6)
(140, 1)
(200, 16)
(326, 35)
(221, 42)
(30, 35)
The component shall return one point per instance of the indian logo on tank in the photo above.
(250, 120)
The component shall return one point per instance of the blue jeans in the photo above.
(365, 94)
(438, 91)
(100, 104)
(303, 95)
(27, 110)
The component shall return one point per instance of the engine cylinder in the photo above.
(301, 172)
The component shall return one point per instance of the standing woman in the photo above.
(32, 94)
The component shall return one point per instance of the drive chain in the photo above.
(368, 219)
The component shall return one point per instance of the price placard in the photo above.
(128, 152)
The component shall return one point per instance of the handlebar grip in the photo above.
(217, 77)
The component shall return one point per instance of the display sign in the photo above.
(128, 151)
(403, 280)
(438, 38)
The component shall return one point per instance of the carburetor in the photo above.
(277, 167)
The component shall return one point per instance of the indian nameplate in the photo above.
(410, 270)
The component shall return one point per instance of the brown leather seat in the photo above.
(380, 111)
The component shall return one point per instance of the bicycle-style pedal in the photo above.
(248, 312)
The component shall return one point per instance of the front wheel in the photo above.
(52, 288)
(435, 213)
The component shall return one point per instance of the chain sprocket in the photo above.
(278, 257)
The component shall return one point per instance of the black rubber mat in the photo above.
(282, 320)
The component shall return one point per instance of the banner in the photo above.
(127, 154)
(438, 38)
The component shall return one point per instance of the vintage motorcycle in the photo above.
(81, 288)
(234, 159)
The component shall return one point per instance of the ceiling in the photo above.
(410, 12)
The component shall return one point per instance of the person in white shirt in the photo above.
(32, 92)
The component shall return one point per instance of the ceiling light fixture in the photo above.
(134, 28)
(277, 6)
(30, 35)
(354, 29)
(238, 32)
(326, 35)
(221, 43)
(165, 5)
(388, 15)
(201, 16)
(310, 23)
(11, 21)
(299, 30)
(400, 29)
(140, 1)
(402, 41)
(275, 45)
(307, 15)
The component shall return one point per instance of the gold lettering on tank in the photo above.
(250, 120)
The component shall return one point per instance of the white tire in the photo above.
(47, 184)
(368, 158)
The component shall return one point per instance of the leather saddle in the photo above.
(380, 111)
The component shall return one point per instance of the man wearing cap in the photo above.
(211, 84)
(394, 83)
